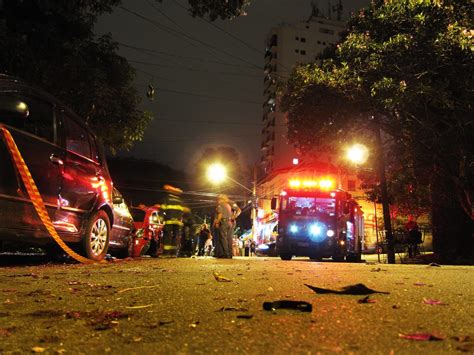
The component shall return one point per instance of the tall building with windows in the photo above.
(288, 45)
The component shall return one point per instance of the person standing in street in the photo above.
(224, 227)
(173, 209)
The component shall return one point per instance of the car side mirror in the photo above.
(117, 200)
(273, 203)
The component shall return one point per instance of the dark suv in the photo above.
(66, 163)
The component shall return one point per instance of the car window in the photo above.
(77, 138)
(29, 114)
(94, 149)
(138, 214)
(155, 218)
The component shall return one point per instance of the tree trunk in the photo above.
(453, 238)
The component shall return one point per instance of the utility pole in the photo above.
(254, 203)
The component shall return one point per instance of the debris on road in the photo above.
(288, 304)
(232, 309)
(358, 289)
(136, 288)
(366, 299)
(434, 302)
(245, 316)
(421, 336)
(220, 278)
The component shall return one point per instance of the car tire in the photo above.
(95, 242)
(286, 256)
(353, 257)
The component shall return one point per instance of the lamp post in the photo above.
(358, 154)
(217, 173)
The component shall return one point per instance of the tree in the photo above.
(218, 9)
(406, 68)
(52, 44)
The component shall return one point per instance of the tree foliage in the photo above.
(406, 67)
(214, 9)
(52, 44)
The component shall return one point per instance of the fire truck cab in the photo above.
(317, 221)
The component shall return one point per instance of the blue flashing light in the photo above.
(315, 230)
(293, 228)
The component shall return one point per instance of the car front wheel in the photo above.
(96, 239)
(286, 256)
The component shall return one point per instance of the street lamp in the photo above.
(358, 154)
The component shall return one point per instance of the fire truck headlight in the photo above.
(330, 233)
(315, 229)
(293, 228)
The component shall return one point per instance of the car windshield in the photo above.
(309, 206)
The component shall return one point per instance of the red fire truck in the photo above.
(318, 221)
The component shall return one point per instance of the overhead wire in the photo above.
(192, 38)
(222, 98)
(157, 53)
(191, 69)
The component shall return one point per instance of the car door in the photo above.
(123, 221)
(80, 183)
(35, 136)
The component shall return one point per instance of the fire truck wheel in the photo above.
(286, 256)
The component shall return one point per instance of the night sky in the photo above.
(208, 77)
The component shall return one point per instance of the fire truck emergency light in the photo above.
(323, 184)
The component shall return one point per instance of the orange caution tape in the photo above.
(36, 197)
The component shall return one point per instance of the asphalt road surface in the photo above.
(206, 305)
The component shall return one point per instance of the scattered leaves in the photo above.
(421, 336)
(366, 299)
(142, 306)
(232, 309)
(6, 332)
(419, 284)
(433, 302)
(220, 278)
(38, 349)
(194, 325)
(245, 316)
(358, 289)
(136, 288)
(434, 264)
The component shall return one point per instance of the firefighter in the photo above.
(173, 209)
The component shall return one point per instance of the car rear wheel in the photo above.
(96, 239)
(286, 256)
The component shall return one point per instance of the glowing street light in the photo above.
(358, 154)
(216, 173)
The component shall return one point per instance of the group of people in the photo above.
(178, 234)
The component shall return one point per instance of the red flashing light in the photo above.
(311, 184)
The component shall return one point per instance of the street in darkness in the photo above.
(207, 305)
